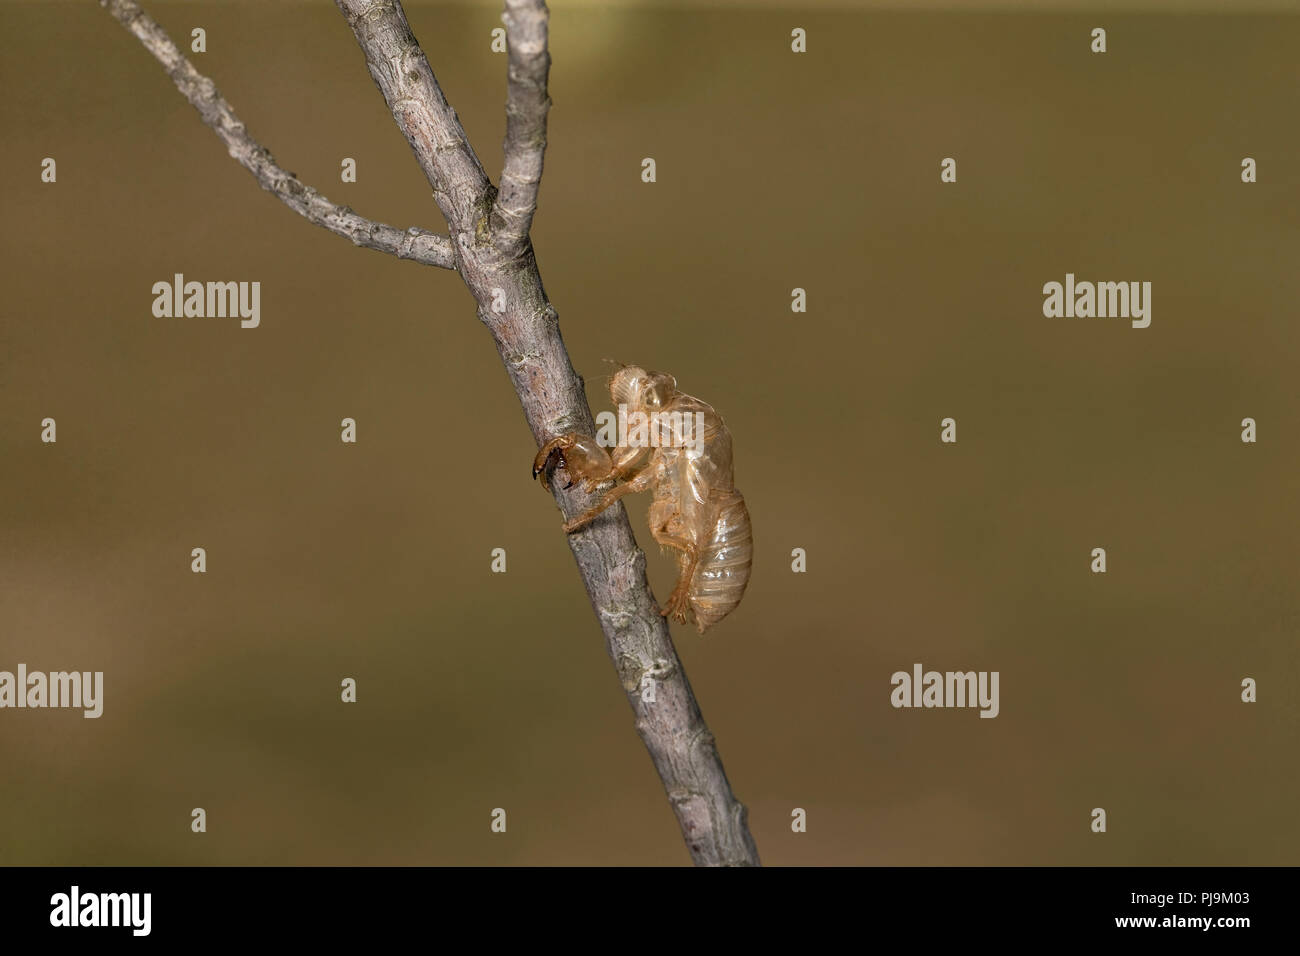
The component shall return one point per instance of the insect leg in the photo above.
(640, 483)
(679, 600)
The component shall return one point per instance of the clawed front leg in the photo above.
(588, 464)
(581, 458)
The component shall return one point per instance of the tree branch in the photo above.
(415, 243)
(527, 335)
(492, 252)
(399, 68)
(527, 104)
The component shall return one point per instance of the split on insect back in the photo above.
(678, 448)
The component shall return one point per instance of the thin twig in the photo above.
(527, 103)
(417, 244)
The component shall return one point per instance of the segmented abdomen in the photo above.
(723, 569)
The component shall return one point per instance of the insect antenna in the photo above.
(619, 367)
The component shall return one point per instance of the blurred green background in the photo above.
(775, 171)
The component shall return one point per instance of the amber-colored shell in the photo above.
(684, 457)
(696, 505)
(723, 571)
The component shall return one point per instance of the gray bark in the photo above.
(492, 251)
(527, 103)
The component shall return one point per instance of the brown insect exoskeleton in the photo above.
(678, 446)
